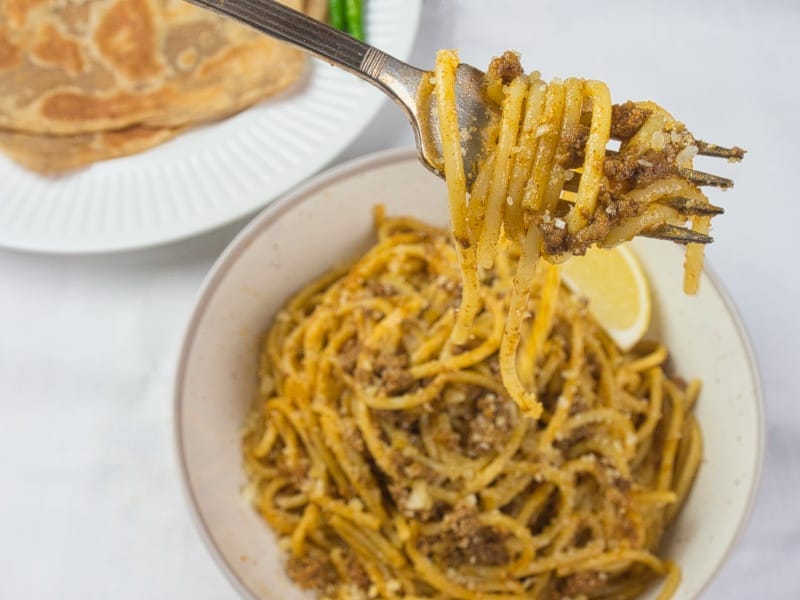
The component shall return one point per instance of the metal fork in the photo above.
(402, 82)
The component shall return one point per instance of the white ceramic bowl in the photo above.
(330, 219)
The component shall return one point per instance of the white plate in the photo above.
(206, 177)
(330, 219)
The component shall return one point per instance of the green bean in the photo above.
(336, 14)
(354, 16)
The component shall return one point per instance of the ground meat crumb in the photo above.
(348, 355)
(352, 436)
(494, 420)
(617, 207)
(356, 573)
(412, 470)
(627, 171)
(582, 583)
(415, 470)
(465, 541)
(407, 420)
(506, 68)
(576, 436)
(462, 523)
(379, 288)
(571, 146)
(311, 572)
(296, 471)
(623, 485)
(554, 238)
(627, 119)
(392, 371)
(612, 209)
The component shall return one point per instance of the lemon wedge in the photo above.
(616, 287)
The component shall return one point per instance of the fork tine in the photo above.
(680, 235)
(687, 206)
(572, 184)
(734, 154)
(696, 177)
(701, 178)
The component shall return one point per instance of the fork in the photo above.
(403, 82)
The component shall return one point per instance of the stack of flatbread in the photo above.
(85, 80)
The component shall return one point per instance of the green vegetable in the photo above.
(354, 17)
(336, 14)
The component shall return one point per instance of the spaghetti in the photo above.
(393, 463)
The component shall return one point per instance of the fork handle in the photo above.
(281, 22)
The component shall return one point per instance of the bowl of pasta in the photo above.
(345, 432)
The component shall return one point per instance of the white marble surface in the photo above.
(90, 502)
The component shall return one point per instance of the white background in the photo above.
(90, 501)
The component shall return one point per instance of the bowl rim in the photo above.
(270, 215)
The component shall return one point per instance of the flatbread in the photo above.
(50, 155)
(77, 66)
(317, 9)
(87, 80)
